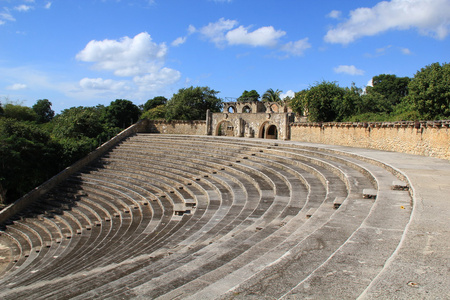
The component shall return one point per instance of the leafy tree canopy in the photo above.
(28, 156)
(192, 103)
(43, 109)
(158, 112)
(19, 112)
(121, 113)
(391, 87)
(321, 100)
(272, 96)
(156, 101)
(248, 96)
(429, 91)
(77, 122)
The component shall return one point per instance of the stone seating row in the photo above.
(246, 203)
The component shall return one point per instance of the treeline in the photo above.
(390, 98)
(35, 144)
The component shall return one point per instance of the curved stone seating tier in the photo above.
(171, 217)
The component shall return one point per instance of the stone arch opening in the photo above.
(231, 109)
(272, 132)
(247, 109)
(225, 128)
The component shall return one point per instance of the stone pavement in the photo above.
(420, 267)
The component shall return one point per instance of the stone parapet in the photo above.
(428, 138)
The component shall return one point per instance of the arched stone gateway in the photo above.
(272, 132)
(268, 131)
(225, 128)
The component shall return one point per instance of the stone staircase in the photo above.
(175, 217)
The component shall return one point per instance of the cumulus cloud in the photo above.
(429, 17)
(289, 93)
(153, 81)
(17, 87)
(264, 36)
(215, 32)
(125, 57)
(138, 58)
(226, 33)
(350, 70)
(296, 48)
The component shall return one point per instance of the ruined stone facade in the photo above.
(252, 119)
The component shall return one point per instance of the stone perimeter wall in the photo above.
(427, 138)
(175, 127)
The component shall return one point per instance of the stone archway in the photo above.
(272, 132)
(268, 131)
(225, 128)
(247, 109)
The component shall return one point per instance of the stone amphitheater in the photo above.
(160, 216)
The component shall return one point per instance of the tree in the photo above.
(349, 103)
(19, 112)
(1, 110)
(43, 109)
(298, 103)
(121, 113)
(79, 130)
(28, 157)
(321, 101)
(249, 96)
(272, 96)
(156, 101)
(391, 87)
(155, 113)
(192, 103)
(429, 91)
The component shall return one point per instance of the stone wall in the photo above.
(421, 138)
(176, 127)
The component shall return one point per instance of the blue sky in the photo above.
(79, 52)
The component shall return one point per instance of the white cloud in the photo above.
(138, 58)
(48, 5)
(405, 51)
(102, 84)
(296, 48)
(334, 14)
(350, 70)
(126, 57)
(16, 87)
(429, 17)
(191, 29)
(153, 81)
(5, 16)
(216, 31)
(289, 93)
(23, 7)
(226, 33)
(264, 36)
(179, 41)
